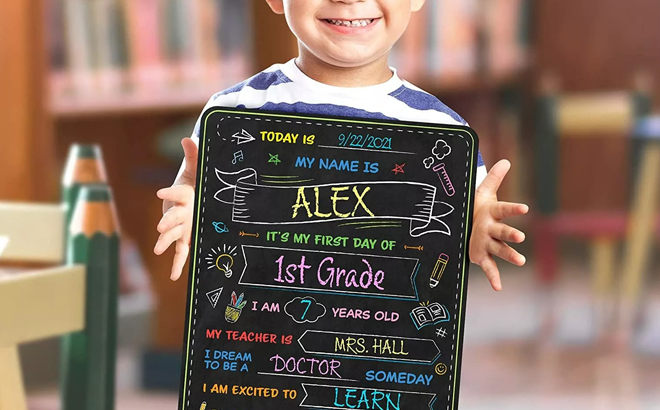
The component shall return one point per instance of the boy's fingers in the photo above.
(190, 152)
(504, 232)
(173, 217)
(179, 259)
(502, 210)
(493, 180)
(177, 193)
(489, 267)
(166, 239)
(505, 252)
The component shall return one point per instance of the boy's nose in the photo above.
(348, 1)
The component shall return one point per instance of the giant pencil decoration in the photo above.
(88, 357)
(84, 165)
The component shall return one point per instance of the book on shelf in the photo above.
(192, 45)
(454, 42)
(236, 30)
(110, 46)
(56, 44)
(208, 19)
(148, 65)
(411, 46)
(505, 35)
(110, 53)
(78, 40)
(55, 27)
(462, 39)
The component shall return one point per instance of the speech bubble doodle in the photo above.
(304, 310)
(441, 149)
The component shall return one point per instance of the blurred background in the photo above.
(562, 88)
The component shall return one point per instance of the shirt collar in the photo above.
(291, 70)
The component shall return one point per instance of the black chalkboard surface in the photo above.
(328, 263)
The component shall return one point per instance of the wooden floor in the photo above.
(511, 361)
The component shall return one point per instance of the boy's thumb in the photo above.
(190, 152)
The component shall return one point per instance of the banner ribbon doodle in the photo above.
(410, 201)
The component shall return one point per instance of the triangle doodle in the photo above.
(214, 296)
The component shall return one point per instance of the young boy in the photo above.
(342, 69)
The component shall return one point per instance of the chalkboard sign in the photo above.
(328, 264)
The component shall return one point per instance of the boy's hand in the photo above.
(178, 201)
(489, 234)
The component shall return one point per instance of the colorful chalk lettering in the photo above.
(322, 287)
(336, 195)
(328, 274)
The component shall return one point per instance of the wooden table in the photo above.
(35, 304)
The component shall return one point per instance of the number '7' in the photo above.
(309, 303)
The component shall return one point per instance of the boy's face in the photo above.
(347, 33)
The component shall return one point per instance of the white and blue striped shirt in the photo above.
(284, 88)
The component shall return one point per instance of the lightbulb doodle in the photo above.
(222, 259)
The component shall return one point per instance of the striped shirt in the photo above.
(284, 88)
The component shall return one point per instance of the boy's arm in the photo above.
(186, 175)
(178, 201)
(489, 233)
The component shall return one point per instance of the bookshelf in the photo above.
(467, 84)
(186, 99)
(161, 101)
(115, 57)
(114, 102)
(492, 64)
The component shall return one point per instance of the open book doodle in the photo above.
(429, 315)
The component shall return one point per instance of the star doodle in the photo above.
(274, 159)
(398, 169)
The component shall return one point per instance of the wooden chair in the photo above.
(559, 118)
(34, 303)
(639, 238)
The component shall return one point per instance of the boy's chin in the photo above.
(351, 60)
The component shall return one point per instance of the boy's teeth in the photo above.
(351, 23)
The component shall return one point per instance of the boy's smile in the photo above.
(355, 26)
(347, 33)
